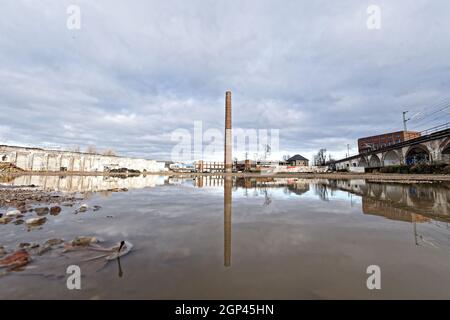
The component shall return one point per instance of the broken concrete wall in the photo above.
(35, 159)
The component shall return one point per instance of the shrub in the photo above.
(420, 168)
(386, 170)
(395, 169)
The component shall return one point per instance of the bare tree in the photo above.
(267, 151)
(109, 152)
(76, 149)
(91, 149)
(320, 158)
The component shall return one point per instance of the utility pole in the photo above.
(405, 120)
(348, 149)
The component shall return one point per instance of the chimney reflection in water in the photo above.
(227, 200)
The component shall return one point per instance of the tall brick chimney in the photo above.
(228, 134)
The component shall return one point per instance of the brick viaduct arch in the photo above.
(418, 153)
(374, 161)
(391, 158)
(445, 150)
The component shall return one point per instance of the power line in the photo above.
(423, 114)
(441, 103)
(431, 114)
(432, 120)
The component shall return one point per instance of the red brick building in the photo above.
(385, 140)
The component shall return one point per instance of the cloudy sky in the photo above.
(136, 71)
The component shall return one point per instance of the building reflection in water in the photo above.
(414, 203)
(387, 210)
(72, 183)
(402, 202)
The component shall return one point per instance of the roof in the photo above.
(389, 134)
(297, 157)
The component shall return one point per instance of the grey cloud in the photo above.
(137, 70)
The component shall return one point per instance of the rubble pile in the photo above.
(6, 167)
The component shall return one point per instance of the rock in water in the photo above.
(19, 222)
(41, 211)
(53, 242)
(17, 259)
(49, 244)
(54, 211)
(36, 221)
(83, 241)
(13, 213)
(82, 208)
(5, 220)
(2, 251)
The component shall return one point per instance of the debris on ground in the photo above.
(33, 207)
(18, 222)
(23, 197)
(5, 220)
(118, 190)
(67, 204)
(110, 253)
(81, 241)
(7, 167)
(122, 249)
(85, 250)
(54, 211)
(82, 208)
(2, 251)
(41, 211)
(13, 213)
(85, 207)
(17, 259)
(53, 242)
(91, 243)
(49, 244)
(36, 221)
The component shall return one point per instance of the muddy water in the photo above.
(241, 238)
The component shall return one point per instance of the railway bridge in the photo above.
(431, 148)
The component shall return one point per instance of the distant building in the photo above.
(385, 140)
(297, 160)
